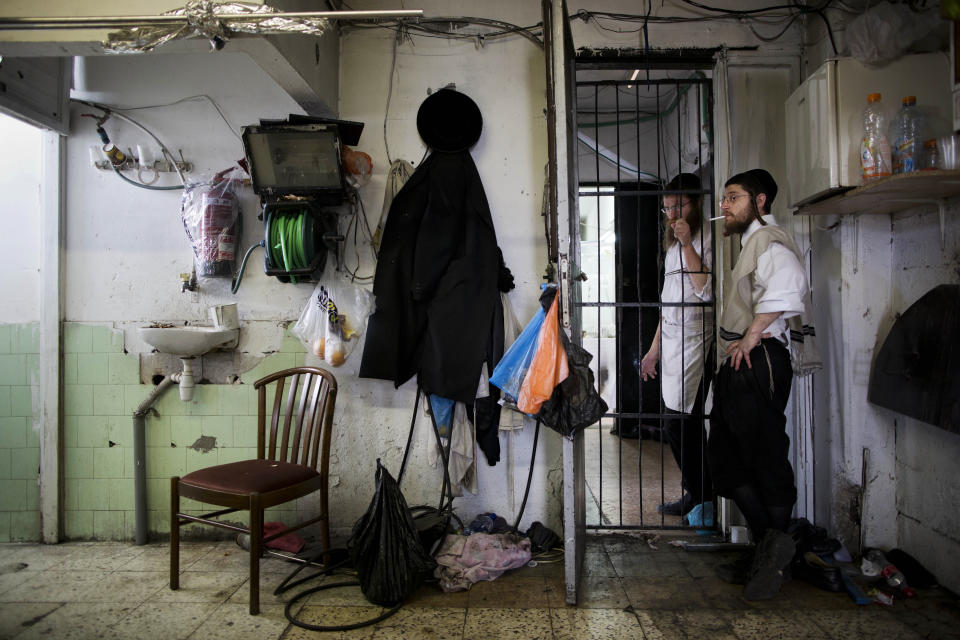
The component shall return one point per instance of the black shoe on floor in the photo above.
(648, 432)
(677, 507)
(628, 432)
(769, 570)
(736, 571)
(811, 568)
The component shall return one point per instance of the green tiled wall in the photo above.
(101, 391)
(19, 442)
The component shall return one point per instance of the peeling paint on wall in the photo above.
(204, 444)
(847, 515)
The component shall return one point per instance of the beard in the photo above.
(737, 225)
(733, 226)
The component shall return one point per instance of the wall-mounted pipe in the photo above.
(140, 456)
(186, 380)
(112, 22)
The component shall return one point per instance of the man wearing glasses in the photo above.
(748, 442)
(684, 336)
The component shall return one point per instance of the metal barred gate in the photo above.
(637, 126)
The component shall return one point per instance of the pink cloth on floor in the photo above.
(465, 560)
(290, 542)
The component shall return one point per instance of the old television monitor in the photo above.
(294, 159)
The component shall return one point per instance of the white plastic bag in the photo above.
(887, 31)
(210, 210)
(334, 318)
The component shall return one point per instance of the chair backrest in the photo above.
(300, 418)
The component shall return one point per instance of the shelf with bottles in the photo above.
(889, 195)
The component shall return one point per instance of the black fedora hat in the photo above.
(449, 121)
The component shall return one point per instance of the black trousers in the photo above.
(748, 443)
(688, 440)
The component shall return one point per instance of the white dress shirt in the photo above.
(678, 285)
(778, 284)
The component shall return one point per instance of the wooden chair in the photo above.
(292, 461)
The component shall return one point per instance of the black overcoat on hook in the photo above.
(436, 282)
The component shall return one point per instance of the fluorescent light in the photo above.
(636, 72)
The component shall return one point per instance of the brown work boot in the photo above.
(769, 570)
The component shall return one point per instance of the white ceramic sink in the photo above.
(188, 341)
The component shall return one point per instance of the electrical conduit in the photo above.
(140, 455)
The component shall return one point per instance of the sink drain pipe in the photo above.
(140, 455)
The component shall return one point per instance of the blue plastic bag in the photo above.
(509, 373)
(442, 409)
(701, 516)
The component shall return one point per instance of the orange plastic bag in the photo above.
(548, 368)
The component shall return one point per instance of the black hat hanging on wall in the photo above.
(449, 121)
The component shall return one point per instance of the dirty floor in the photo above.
(109, 591)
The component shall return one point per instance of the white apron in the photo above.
(682, 353)
(685, 333)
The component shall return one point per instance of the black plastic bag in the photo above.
(385, 546)
(575, 403)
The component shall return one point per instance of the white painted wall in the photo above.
(885, 264)
(506, 79)
(867, 269)
(21, 218)
(125, 247)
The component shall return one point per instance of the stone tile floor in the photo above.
(111, 591)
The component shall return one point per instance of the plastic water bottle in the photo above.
(875, 146)
(906, 139)
(890, 574)
(931, 158)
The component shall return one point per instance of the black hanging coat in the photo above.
(436, 282)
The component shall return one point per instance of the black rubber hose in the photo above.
(235, 285)
(286, 585)
(445, 454)
(406, 451)
(339, 627)
(526, 492)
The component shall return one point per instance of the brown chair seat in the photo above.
(249, 476)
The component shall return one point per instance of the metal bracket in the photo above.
(564, 280)
(157, 166)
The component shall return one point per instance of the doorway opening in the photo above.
(637, 128)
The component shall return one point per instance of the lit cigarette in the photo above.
(717, 218)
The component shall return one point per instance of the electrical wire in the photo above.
(826, 23)
(356, 227)
(739, 12)
(423, 28)
(163, 148)
(386, 111)
(776, 37)
(199, 96)
(788, 13)
(175, 187)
